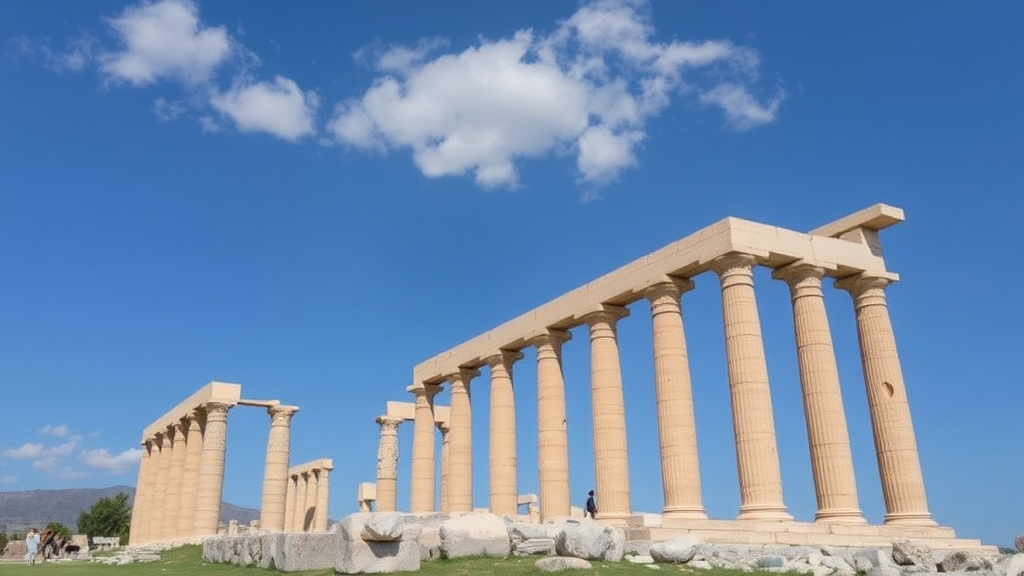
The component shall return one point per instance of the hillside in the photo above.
(22, 510)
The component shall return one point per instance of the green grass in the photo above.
(187, 561)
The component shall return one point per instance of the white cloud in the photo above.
(115, 464)
(48, 463)
(165, 39)
(588, 87)
(24, 452)
(58, 431)
(8, 479)
(277, 107)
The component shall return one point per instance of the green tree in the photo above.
(61, 530)
(3, 537)
(107, 517)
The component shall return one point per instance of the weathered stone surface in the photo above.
(354, 555)
(534, 547)
(1011, 565)
(297, 551)
(909, 553)
(871, 558)
(591, 541)
(478, 534)
(639, 547)
(523, 531)
(430, 533)
(639, 559)
(386, 527)
(962, 561)
(771, 562)
(681, 549)
(883, 571)
(559, 563)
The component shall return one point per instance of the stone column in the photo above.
(322, 499)
(387, 464)
(446, 452)
(677, 429)
(757, 454)
(289, 510)
(210, 487)
(896, 446)
(172, 508)
(309, 508)
(422, 474)
(835, 486)
(302, 489)
(163, 475)
(275, 471)
(610, 457)
(552, 433)
(460, 479)
(503, 473)
(190, 477)
(142, 491)
(150, 516)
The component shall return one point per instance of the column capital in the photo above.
(388, 423)
(281, 415)
(505, 358)
(803, 278)
(667, 292)
(735, 266)
(462, 376)
(551, 338)
(216, 410)
(444, 428)
(425, 390)
(605, 314)
(865, 286)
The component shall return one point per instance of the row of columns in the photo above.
(758, 467)
(307, 495)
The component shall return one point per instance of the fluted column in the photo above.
(610, 457)
(210, 488)
(289, 510)
(504, 496)
(172, 507)
(895, 444)
(677, 429)
(322, 499)
(552, 432)
(446, 452)
(460, 478)
(387, 464)
(422, 474)
(835, 486)
(190, 475)
(757, 454)
(299, 518)
(275, 471)
(151, 497)
(309, 508)
(156, 526)
(142, 491)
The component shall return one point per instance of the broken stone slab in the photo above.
(560, 563)
(909, 553)
(535, 547)
(353, 555)
(591, 541)
(639, 559)
(476, 534)
(383, 527)
(963, 561)
(676, 550)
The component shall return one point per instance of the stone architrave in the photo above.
(172, 508)
(387, 464)
(322, 499)
(156, 526)
(190, 478)
(552, 432)
(422, 474)
(210, 486)
(835, 486)
(460, 466)
(446, 452)
(677, 429)
(502, 471)
(142, 493)
(895, 443)
(309, 508)
(610, 456)
(757, 453)
(275, 472)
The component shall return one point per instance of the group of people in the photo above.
(48, 543)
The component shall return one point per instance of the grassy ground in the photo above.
(187, 561)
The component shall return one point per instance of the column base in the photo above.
(685, 512)
(614, 518)
(840, 516)
(763, 512)
(910, 519)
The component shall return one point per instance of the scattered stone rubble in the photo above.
(390, 542)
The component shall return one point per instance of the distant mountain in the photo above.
(20, 511)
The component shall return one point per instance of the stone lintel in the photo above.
(366, 492)
(877, 217)
(221, 392)
(527, 499)
(773, 246)
(318, 464)
(260, 403)
(407, 411)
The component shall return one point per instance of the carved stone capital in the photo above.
(664, 296)
(281, 415)
(865, 289)
(735, 268)
(216, 411)
(608, 315)
(550, 342)
(388, 424)
(803, 279)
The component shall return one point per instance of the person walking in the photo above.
(32, 545)
(591, 506)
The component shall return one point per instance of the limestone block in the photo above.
(909, 553)
(681, 549)
(871, 558)
(560, 563)
(591, 541)
(962, 561)
(476, 534)
(534, 547)
(297, 551)
(354, 555)
(383, 528)
(639, 547)
(639, 559)
(519, 531)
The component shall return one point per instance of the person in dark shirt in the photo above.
(591, 505)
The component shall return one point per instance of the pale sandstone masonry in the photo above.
(847, 250)
(275, 475)
(308, 495)
(502, 473)
(387, 464)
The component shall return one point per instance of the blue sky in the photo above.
(309, 199)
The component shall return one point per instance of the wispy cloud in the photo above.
(42, 457)
(58, 431)
(8, 479)
(587, 89)
(115, 464)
